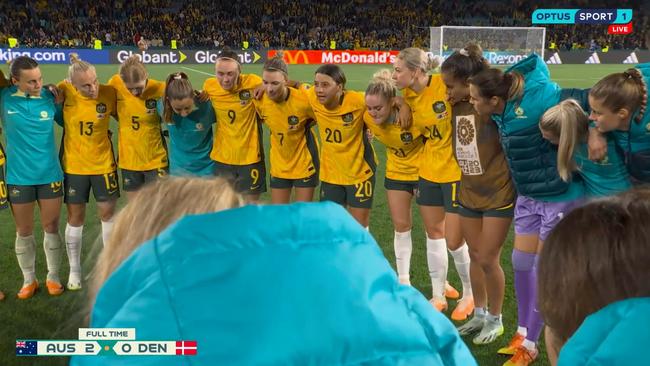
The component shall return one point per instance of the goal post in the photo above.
(501, 45)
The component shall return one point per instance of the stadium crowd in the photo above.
(303, 24)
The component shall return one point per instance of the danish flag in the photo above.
(186, 347)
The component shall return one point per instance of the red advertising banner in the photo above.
(294, 57)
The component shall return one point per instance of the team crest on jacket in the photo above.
(439, 107)
(199, 126)
(293, 122)
(519, 112)
(150, 104)
(101, 110)
(244, 96)
(347, 119)
(406, 137)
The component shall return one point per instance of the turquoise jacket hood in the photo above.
(615, 335)
(299, 284)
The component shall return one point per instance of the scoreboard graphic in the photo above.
(106, 342)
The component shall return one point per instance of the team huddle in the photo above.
(474, 145)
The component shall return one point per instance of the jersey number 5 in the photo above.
(135, 124)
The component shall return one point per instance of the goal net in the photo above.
(501, 45)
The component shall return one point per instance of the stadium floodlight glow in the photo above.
(501, 45)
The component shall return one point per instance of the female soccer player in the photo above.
(486, 194)
(516, 100)
(4, 198)
(33, 171)
(141, 147)
(237, 151)
(619, 104)
(348, 163)
(189, 122)
(566, 125)
(344, 308)
(87, 156)
(402, 163)
(294, 148)
(599, 253)
(438, 175)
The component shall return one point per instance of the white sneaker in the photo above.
(492, 330)
(474, 325)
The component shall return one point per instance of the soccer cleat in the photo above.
(511, 348)
(474, 325)
(28, 290)
(463, 309)
(439, 304)
(522, 357)
(490, 332)
(451, 292)
(54, 288)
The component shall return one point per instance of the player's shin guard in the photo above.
(73, 240)
(437, 262)
(462, 261)
(52, 247)
(26, 254)
(403, 245)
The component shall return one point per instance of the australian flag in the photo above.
(26, 348)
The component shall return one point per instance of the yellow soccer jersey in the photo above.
(237, 138)
(87, 148)
(432, 116)
(141, 145)
(346, 155)
(294, 150)
(403, 148)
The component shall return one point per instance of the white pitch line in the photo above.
(195, 70)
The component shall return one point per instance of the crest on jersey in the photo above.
(150, 104)
(439, 107)
(406, 137)
(199, 126)
(101, 108)
(519, 111)
(293, 120)
(43, 114)
(647, 127)
(245, 95)
(347, 119)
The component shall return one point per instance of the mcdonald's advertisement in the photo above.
(363, 57)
